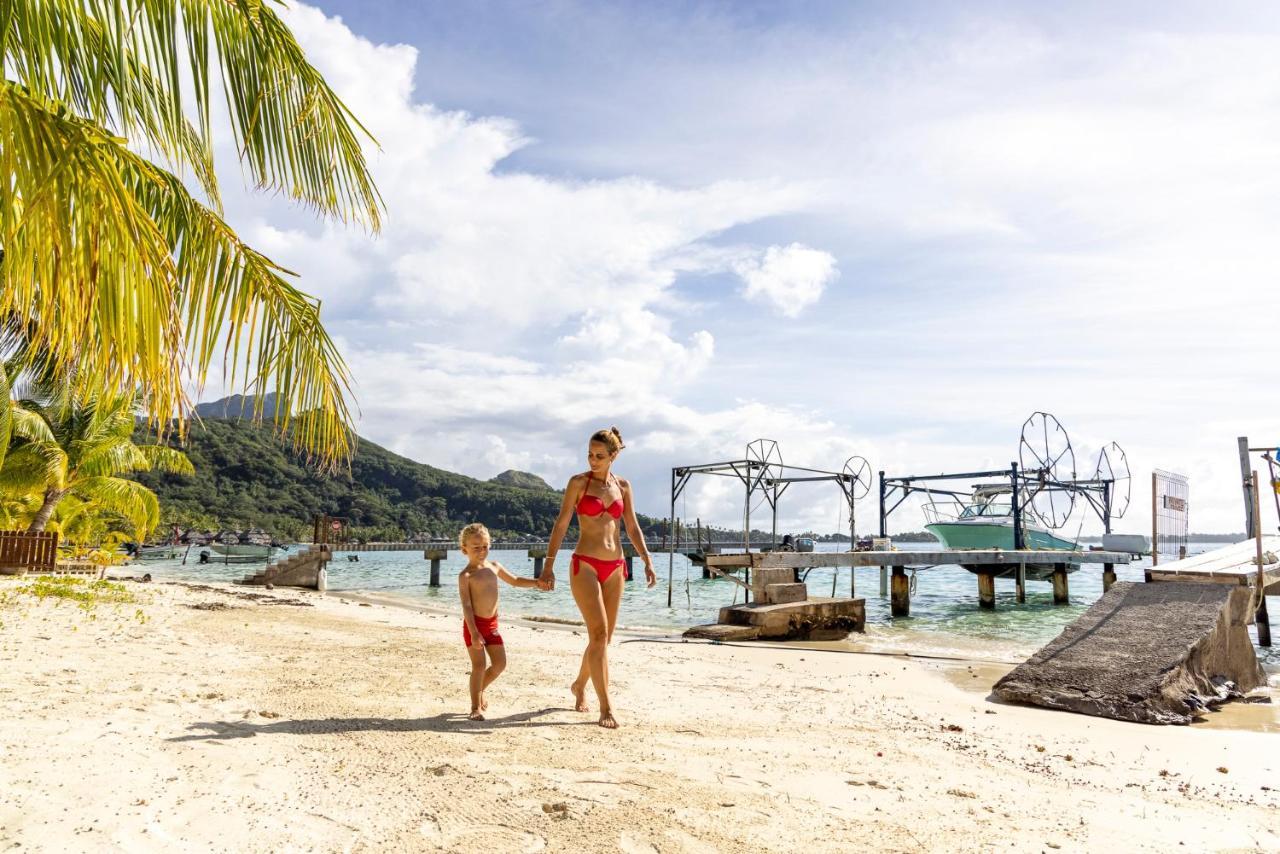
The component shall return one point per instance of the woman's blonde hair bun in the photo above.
(611, 439)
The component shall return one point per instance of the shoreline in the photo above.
(224, 718)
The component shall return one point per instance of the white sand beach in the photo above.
(204, 720)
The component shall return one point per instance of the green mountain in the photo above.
(521, 479)
(245, 476)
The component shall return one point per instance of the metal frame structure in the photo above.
(756, 475)
(1097, 491)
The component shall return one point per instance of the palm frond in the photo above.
(33, 466)
(29, 425)
(107, 457)
(128, 498)
(150, 283)
(120, 64)
(165, 459)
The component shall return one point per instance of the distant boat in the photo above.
(244, 550)
(985, 521)
(804, 544)
(1134, 544)
(171, 552)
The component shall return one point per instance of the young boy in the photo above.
(478, 589)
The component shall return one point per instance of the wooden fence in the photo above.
(22, 551)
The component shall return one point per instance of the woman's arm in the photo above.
(513, 580)
(558, 530)
(468, 613)
(635, 534)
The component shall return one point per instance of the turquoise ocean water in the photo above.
(945, 618)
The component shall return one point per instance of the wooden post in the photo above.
(1260, 617)
(900, 605)
(1108, 576)
(884, 581)
(1021, 580)
(435, 572)
(987, 590)
(1251, 520)
(1061, 596)
(537, 567)
(630, 560)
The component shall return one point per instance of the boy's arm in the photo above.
(468, 613)
(514, 580)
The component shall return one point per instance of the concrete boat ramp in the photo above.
(1163, 652)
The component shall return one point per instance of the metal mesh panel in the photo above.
(1171, 512)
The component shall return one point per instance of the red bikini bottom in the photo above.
(604, 567)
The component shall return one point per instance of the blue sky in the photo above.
(883, 229)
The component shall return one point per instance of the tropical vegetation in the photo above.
(245, 477)
(117, 269)
(63, 467)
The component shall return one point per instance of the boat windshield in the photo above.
(990, 508)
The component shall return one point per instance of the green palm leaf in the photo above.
(111, 273)
(128, 498)
(152, 273)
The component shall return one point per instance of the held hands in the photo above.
(547, 580)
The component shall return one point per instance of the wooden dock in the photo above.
(985, 563)
(437, 552)
(1237, 565)
(1233, 564)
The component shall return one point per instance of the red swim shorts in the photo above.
(488, 627)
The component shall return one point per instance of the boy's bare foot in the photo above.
(607, 721)
(475, 716)
(579, 697)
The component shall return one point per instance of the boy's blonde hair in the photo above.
(473, 530)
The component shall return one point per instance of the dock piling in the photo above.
(884, 582)
(900, 605)
(1108, 576)
(435, 556)
(1061, 595)
(539, 556)
(1021, 582)
(987, 591)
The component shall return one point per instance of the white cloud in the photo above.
(790, 278)
(1070, 219)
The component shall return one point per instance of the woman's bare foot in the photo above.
(484, 704)
(475, 715)
(579, 697)
(607, 721)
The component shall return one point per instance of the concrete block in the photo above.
(762, 578)
(777, 594)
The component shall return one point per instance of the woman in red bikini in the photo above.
(597, 569)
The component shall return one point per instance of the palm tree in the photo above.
(109, 263)
(85, 445)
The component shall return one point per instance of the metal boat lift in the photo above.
(763, 471)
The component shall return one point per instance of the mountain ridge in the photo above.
(246, 475)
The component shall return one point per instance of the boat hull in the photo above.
(244, 550)
(992, 535)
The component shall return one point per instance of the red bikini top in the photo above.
(590, 505)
